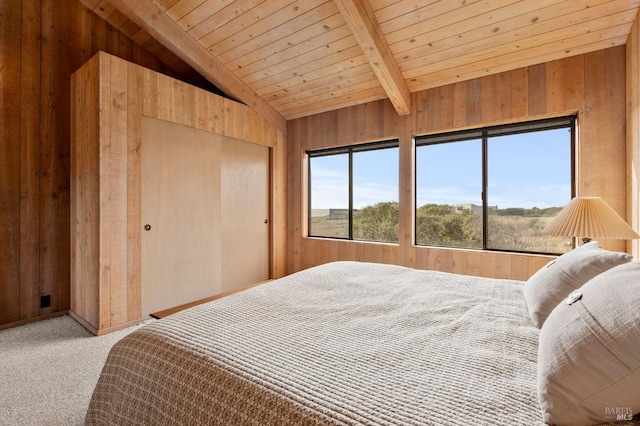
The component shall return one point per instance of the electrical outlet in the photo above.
(45, 301)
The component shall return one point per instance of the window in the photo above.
(353, 192)
(495, 188)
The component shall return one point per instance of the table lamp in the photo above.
(589, 217)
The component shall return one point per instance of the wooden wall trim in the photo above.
(632, 85)
(85, 126)
(30, 159)
(111, 96)
(591, 85)
(11, 300)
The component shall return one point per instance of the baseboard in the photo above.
(169, 311)
(34, 319)
(106, 330)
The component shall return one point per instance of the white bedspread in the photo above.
(341, 343)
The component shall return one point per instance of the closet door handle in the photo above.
(147, 227)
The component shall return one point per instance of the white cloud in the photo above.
(330, 190)
(541, 196)
(446, 195)
(373, 192)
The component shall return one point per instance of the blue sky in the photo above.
(375, 175)
(526, 170)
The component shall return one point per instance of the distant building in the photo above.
(475, 209)
(319, 212)
(340, 214)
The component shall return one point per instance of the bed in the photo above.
(344, 343)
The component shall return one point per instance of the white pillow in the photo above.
(553, 282)
(589, 353)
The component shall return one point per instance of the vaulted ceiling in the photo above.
(293, 58)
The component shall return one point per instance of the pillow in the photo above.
(553, 282)
(589, 353)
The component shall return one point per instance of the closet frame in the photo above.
(109, 97)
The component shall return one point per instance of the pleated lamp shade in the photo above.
(590, 217)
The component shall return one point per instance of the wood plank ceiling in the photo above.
(293, 58)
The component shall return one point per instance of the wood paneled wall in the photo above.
(41, 43)
(633, 133)
(591, 85)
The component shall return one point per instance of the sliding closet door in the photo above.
(245, 213)
(181, 245)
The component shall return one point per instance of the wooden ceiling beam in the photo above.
(166, 31)
(364, 26)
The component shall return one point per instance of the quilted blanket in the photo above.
(345, 343)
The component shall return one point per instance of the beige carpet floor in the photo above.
(48, 370)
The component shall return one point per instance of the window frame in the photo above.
(350, 150)
(484, 133)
